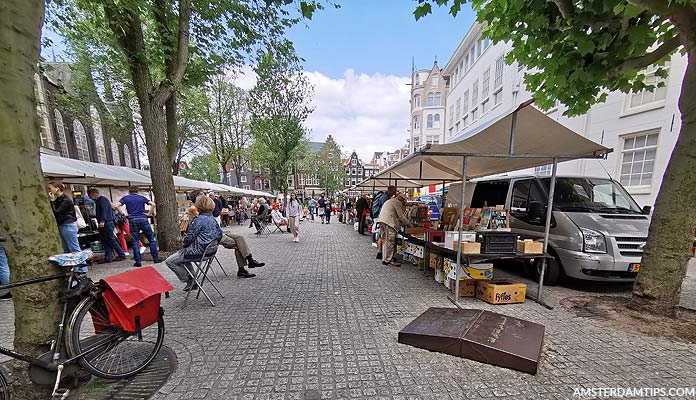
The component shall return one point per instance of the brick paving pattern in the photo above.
(320, 321)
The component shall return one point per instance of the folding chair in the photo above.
(263, 221)
(279, 228)
(200, 274)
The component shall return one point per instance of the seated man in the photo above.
(278, 217)
(261, 211)
(241, 251)
(201, 232)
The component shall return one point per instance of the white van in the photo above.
(598, 231)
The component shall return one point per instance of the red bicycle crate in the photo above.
(133, 298)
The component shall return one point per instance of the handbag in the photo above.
(119, 219)
(80, 220)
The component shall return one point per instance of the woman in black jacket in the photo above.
(64, 211)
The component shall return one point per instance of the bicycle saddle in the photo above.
(72, 259)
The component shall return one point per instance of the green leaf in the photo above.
(422, 10)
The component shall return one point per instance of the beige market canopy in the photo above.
(375, 184)
(88, 173)
(523, 138)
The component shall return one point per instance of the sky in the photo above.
(359, 57)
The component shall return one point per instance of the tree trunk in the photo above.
(671, 234)
(26, 218)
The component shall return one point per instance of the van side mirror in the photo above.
(647, 209)
(537, 211)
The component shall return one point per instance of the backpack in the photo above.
(377, 203)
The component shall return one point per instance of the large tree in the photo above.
(576, 52)
(279, 105)
(158, 39)
(327, 165)
(26, 218)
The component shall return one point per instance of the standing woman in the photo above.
(295, 211)
(64, 211)
(327, 210)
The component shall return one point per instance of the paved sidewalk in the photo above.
(321, 321)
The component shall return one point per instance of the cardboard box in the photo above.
(453, 236)
(435, 261)
(530, 247)
(473, 271)
(415, 230)
(468, 247)
(466, 288)
(501, 292)
(435, 236)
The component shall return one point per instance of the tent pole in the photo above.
(549, 213)
(443, 193)
(461, 229)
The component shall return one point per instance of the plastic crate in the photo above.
(498, 243)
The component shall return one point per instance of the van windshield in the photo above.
(592, 195)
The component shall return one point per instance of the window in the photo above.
(451, 118)
(416, 142)
(416, 122)
(451, 131)
(353, 171)
(247, 187)
(479, 48)
(465, 120)
(266, 184)
(543, 170)
(258, 184)
(466, 63)
(416, 100)
(486, 43)
(301, 180)
(417, 79)
(436, 122)
(498, 97)
(81, 141)
(648, 99)
(436, 81)
(431, 98)
(353, 161)
(360, 171)
(528, 202)
(462, 70)
(485, 106)
(432, 139)
(474, 114)
(114, 152)
(353, 181)
(60, 128)
(98, 135)
(458, 107)
(127, 156)
(472, 55)
(485, 83)
(474, 94)
(638, 159)
(465, 104)
(347, 181)
(429, 122)
(499, 63)
(437, 98)
(243, 179)
(457, 126)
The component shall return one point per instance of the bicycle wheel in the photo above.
(110, 352)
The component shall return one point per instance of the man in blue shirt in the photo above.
(135, 206)
(105, 218)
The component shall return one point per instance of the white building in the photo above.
(428, 93)
(642, 128)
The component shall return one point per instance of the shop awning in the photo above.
(88, 173)
(377, 183)
(523, 138)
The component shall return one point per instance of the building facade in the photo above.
(642, 128)
(355, 171)
(428, 94)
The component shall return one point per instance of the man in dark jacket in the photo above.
(360, 208)
(218, 207)
(105, 218)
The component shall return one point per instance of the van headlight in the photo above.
(593, 241)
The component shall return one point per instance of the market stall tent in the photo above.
(522, 138)
(74, 171)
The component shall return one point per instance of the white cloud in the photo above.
(365, 113)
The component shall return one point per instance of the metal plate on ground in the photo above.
(478, 335)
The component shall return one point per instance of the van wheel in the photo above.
(553, 274)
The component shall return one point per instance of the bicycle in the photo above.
(86, 337)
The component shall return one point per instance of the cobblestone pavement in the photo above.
(321, 321)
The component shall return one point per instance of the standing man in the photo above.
(360, 209)
(322, 209)
(105, 218)
(135, 206)
(218, 207)
(312, 205)
(390, 218)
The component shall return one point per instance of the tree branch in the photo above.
(176, 74)
(565, 7)
(650, 58)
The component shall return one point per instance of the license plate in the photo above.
(633, 267)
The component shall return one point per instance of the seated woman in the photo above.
(278, 217)
(202, 230)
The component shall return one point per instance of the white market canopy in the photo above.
(523, 138)
(375, 184)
